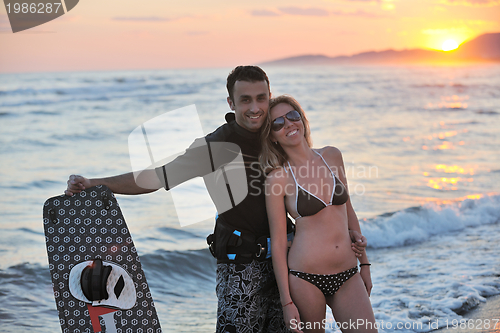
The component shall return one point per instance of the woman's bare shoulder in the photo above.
(277, 176)
(331, 153)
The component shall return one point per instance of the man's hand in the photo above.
(76, 184)
(359, 242)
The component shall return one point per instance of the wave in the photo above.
(443, 85)
(170, 270)
(37, 232)
(488, 112)
(183, 267)
(28, 144)
(90, 135)
(104, 90)
(416, 224)
(166, 264)
(44, 183)
(45, 113)
(437, 85)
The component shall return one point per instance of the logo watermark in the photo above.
(25, 15)
(413, 326)
(206, 177)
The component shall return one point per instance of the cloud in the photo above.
(446, 31)
(473, 3)
(197, 33)
(5, 23)
(264, 13)
(304, 11)
(480, 23)
(142, 19)
(316, 12)
(358, 13)
(377, 1)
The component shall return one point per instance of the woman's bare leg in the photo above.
(351, 307)
(310, 302)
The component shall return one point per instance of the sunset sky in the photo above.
(157, 34)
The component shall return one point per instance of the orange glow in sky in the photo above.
(157, 34)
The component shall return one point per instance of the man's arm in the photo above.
(121, 184)
(196, 161)
(200, 159)
(203, 157)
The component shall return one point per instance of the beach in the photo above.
(420, 147)
(478, 318)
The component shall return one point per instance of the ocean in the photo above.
(420, 145)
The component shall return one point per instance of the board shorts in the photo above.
(249, 300)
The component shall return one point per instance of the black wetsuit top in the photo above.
(249, 215)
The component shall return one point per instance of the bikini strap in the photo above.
(333, 176)
(293, 175)
(296, 191)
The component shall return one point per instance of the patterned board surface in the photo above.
(83, 227)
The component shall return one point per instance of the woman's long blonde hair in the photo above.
(272, 155)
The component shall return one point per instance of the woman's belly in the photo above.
(322, 244)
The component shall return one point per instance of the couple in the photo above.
(248, 297)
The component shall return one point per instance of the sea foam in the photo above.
(417, 224)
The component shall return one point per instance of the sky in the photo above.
(161, 34)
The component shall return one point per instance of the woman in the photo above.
(319, 268)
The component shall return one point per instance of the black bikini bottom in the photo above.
(328, 284)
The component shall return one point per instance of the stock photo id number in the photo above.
(24, 15)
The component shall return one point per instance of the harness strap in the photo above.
(230, 245)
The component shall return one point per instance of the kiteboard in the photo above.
(98, 281)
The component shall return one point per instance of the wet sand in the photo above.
(477, 318)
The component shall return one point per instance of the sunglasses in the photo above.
(279, 122)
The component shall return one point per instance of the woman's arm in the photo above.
(353, 224)
(335, 157)
(275, 203)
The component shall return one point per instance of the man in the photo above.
(246, 289)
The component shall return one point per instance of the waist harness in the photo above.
(234, 245)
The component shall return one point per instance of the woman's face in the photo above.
(292, 131)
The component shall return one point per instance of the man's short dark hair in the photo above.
(245, 73)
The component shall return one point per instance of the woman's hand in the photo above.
(367, 278)
(292, 318)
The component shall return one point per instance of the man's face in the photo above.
(251, 102)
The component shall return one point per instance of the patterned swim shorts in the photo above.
(249, 299)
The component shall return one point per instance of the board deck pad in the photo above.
(79, 229)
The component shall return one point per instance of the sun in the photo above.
(449, 45)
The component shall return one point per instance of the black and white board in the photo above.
(98, 281)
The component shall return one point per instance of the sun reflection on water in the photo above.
(454, 169)
(448, 183)
(449, 102)
(444, 183)
(441, 202)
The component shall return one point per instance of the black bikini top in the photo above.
(307, 204)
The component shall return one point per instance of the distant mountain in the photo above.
(483, 48)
